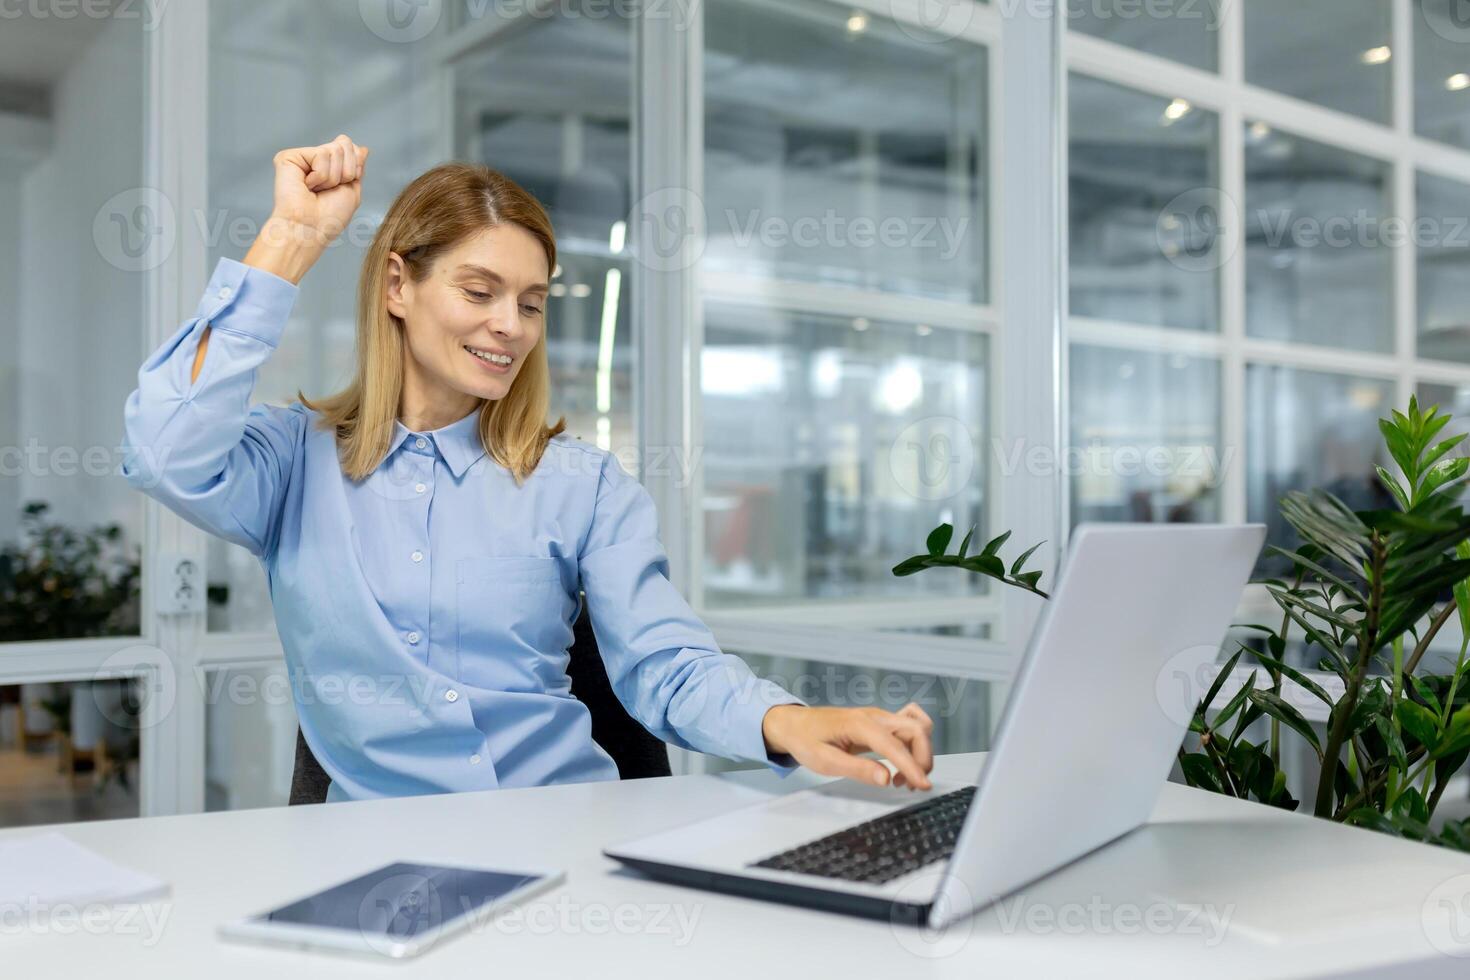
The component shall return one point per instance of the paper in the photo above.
(49, 869)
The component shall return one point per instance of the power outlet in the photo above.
(180, 588)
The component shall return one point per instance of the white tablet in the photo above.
(398, 910)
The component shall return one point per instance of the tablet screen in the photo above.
(400, 901)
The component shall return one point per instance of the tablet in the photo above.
(397, 911)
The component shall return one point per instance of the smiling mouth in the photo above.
(491, 359)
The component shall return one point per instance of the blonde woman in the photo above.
(426, 534)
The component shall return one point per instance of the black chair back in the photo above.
(637, 753)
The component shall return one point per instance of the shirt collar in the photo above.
(458, 442)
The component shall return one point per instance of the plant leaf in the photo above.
(939, 539)
(1418, 721)
(1283, 711)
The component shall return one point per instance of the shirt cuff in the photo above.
(750, 741)
(245, 300)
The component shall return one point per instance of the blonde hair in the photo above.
(433, 214)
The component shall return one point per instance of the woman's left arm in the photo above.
(668, 671)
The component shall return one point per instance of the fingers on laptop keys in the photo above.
(901, 737)
(916, 729)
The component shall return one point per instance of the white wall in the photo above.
(80, 317)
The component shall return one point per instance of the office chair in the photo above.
(637, 753)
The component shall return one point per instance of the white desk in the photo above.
(1087, 920)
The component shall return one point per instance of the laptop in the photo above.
(1120, 657)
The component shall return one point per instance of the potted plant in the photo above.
(60, 582)
(1366, 593)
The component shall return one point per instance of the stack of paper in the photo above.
(48, 870)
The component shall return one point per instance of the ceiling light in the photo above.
(857, 22)
(1177, 110)
(1457, 82)
(1377, 56)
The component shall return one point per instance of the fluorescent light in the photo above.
(1177, 110)
(1457, 82)
(1377, 56)
(617, 236)
(901, 386)
(609, 330)
(740, 371)
(581, 290)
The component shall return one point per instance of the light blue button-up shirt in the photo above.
(426, 611)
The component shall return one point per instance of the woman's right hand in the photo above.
(317, 191)
(319, 187)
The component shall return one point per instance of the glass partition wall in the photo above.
(850, 343)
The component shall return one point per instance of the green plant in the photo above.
(1365, 590)
(986, 562)
(59, 582)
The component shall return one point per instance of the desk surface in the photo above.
(1130, 910)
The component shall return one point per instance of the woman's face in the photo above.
(476, 317)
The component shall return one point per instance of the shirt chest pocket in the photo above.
(514, 623)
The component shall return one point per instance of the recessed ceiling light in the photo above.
(1377, 56)
(857, 22)
(1457, 82)
(1177, 110)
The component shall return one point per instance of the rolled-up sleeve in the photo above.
(664, 664)
(197, 445)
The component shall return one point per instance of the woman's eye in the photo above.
(531, 310)
(476, 296)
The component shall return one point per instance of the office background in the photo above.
(864, 299)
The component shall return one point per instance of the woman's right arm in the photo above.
(193, 442)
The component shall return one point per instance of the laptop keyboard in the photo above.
(883, 849)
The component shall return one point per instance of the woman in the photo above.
(425, 533)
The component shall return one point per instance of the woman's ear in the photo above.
(394, 284)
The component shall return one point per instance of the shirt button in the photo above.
(225, 292)
(413, 637)
(420, 487)
(451, 695)
(474, 760)
(421, 442)
(417, 556)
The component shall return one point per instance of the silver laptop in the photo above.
(1099, 708)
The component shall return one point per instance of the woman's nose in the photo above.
(505, 319)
